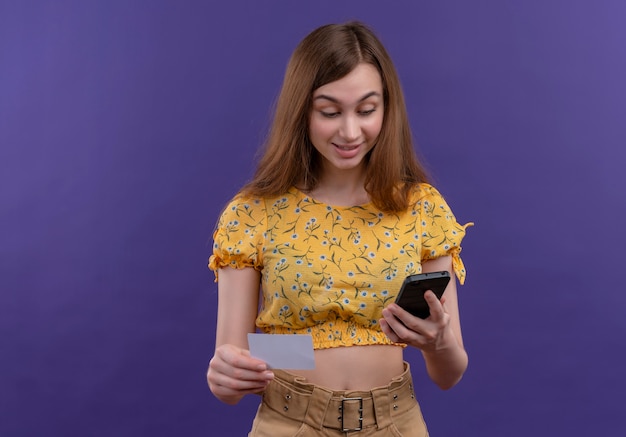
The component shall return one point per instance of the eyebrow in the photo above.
(334, 100)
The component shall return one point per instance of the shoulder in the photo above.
(250, 205)
(241, 208)
(245, 201)
(424, 192)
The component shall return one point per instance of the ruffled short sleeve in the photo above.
(238, 237)
(441, 233)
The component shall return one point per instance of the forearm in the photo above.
(446, 364)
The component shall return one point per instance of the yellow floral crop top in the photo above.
(329, 271)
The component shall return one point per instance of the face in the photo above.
(346, 118)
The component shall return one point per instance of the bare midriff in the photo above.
(355, 367)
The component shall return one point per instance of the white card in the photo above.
(283, 351)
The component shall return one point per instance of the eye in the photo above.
(367, 112)
(329, 114)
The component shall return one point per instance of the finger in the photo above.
(226, 380)
(240, 374)
(402, 318)
(388, 331)
(238, 380)
(228, 387)
(406, 327)
(393, 317)
(435, 306)
(241, 358)
(231, 364)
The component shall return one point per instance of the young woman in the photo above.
(338, 213)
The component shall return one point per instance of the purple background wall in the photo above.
(125, 126)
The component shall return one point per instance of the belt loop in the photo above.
(317, 407)
(382, 407)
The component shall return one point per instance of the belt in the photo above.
(341, 410)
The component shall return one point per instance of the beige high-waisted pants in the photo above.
(292, 407)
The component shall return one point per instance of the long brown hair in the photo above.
(327, 54)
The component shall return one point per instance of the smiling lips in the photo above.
(344, 147)
(347, 151)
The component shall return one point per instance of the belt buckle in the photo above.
(341, 410)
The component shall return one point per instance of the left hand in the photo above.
(427, 335)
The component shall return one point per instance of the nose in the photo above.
(350, 128)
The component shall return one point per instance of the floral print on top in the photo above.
(329, 271)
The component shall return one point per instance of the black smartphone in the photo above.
(411, 296)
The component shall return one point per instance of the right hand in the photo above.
(233, 373)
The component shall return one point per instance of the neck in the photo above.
(341, 188)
